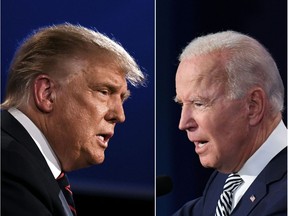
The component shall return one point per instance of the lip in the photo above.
(103, 139)
(199, 147)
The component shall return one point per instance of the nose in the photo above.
(116, 112)
(187, 120)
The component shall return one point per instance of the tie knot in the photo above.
(63, 180)
(232, 182)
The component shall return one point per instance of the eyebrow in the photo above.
(113, 88)
(126, 95)
(204, 99)
(177, 100)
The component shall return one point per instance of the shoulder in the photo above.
(190, 208)
(210, 195)
(27, 181)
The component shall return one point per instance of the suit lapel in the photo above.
(12, 127)
(273, 172)
(251, 198)
(214, 188)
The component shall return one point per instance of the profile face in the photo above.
(217, 125)
(88, 107)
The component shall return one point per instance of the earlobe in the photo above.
(257, 103)
(44, 93)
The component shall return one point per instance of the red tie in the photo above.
(65, 187)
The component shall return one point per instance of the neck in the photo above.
(265, 129)
(258, 135)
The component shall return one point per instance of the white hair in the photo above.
(246, 61)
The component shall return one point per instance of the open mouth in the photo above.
(101, 137)
(104, 138)
(200, 144)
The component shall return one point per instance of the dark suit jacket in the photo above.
(28, 186)
(269, 190)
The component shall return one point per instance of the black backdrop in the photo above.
(177, 23)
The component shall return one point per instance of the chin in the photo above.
(207, 164)
(99, 159)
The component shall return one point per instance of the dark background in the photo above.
(177, 23)
(126, 178)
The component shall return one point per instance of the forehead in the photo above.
(199, 74)
(105, 74)
(199, 67)
(94, 69)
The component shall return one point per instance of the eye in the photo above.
(198, 104)
(104, 92)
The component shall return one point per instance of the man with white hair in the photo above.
(232, 96)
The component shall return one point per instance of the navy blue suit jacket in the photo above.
(28, 187)
(269, 190)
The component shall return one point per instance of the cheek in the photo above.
(230, 132)
(79, 116)
(236, 121)
(225, 123)
(73, 120)
(232, 114)
(85, 110)
(100, 109)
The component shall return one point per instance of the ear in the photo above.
(44, 93)
(257, 101)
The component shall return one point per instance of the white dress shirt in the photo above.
(40, 141)
(276, 142)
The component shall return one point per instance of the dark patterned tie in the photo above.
(65, 187)
(225, 201)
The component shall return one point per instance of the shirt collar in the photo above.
(40, 141)
(270, 148)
